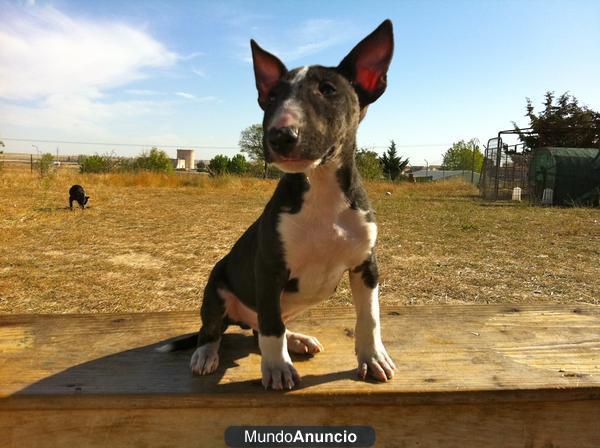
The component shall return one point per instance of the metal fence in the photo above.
(504, 168)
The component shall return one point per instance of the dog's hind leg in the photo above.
(205, 359)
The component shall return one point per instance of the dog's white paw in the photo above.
(279, 375)
(205, 359)
(303, 344)
(377, 363)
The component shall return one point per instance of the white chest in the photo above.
(321, 242)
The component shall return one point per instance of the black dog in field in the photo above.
(77, 193)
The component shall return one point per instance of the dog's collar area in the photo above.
(328, 155)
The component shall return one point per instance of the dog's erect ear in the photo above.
(367, 64)
(268, 69)
(86, 199)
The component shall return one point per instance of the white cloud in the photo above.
(316, 35)
(143, 92)
(187, 96)
(198, 99)
(200, 72)
(44, 52)
(307, 38)
(191, 56)
(78, 114)
(56, 71)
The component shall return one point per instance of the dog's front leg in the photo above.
(276, 364)
(371, 354)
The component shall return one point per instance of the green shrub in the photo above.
(368, 164)
(97, 163)
(237, 165)
(202, 167)
(218, 165)
(125, 164)
(44, 164)
(156, 160)
(257, 169)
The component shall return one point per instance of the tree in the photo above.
(565, 124)
(156, 160)
(45, 163)
(251, 143)
(392, 164)
(97, 163)
(218, 165)
(464, 156)
(237, 164)
(367, 163)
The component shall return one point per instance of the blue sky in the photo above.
(179, 73)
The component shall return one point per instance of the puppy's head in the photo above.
(85, 201)
(310, 112)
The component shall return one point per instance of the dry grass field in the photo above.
(147, 243)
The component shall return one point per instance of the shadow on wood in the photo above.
(135, 371)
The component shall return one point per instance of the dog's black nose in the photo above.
(283, 140)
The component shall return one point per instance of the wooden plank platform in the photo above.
(493, 376)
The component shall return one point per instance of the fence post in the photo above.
(498, 163)
(473, 164)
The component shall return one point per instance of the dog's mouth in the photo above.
(297, 163)
(292, 164)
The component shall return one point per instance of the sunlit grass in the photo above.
(148, 241)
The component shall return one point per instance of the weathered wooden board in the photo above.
(467, 376)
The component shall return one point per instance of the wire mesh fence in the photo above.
(505, 167)
(543, 175)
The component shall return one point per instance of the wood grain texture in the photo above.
(504, 425)
(529, 374)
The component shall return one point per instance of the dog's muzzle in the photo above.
(283, 140)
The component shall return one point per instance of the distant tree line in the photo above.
(562, 122)
(370, 165)
(155, 160)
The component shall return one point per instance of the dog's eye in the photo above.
(326, 88)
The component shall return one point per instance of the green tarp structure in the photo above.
(572, 173)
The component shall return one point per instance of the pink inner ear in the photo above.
(367, 78)
(371, 65)
(268, 69)
(268, 76)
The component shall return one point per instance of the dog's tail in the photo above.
(182, 343)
